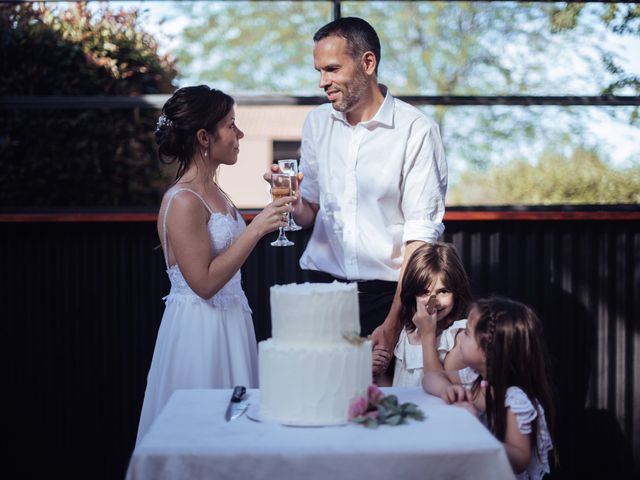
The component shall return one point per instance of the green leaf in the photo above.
(419, 416)
(390, 401)
(382, 411)
(395, 419)
(409, 408)
(371, 423)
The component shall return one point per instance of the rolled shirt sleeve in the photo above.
(424, 184)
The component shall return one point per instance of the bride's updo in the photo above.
(188, 110)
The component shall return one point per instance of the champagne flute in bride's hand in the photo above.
(281, 187)
(290, 167)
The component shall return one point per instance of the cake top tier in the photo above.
(314, 313)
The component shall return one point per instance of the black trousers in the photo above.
(374, 298)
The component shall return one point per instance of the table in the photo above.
(191, 440)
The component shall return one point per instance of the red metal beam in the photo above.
(463, 216)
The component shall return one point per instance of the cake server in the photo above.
(236, 405)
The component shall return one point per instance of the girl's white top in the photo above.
(409, 364)
(526, 412)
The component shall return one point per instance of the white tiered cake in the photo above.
(308, 372)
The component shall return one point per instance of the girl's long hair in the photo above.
(423, 268)
(510, 335)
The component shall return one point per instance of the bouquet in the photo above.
(377, 409)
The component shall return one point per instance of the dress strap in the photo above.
(164, 219)
(206, 205)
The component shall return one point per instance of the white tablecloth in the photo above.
(191, 440)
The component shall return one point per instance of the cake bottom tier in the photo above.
(311, 385)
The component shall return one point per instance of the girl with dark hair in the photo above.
(505, 379)
(206, 338)
(434, 271)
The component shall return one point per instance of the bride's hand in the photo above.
(272, 216)
(267, 175)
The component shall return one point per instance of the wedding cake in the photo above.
(308, 371)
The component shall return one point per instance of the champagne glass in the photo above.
(290, 167)
(281, 187)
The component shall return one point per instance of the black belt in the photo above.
(364, 286)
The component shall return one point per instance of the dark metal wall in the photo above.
(81, 304)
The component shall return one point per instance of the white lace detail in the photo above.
(231, 293)
(223, 231)
(526, 413)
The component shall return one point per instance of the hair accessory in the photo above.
(164, 121)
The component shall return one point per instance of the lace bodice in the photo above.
(224, 229)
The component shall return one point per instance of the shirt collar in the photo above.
(384, 115)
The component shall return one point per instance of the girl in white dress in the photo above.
(206, 338)
(433, 271)
(505, 379)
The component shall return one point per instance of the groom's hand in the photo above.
(267, 175)
(276, 169)
(385, 337)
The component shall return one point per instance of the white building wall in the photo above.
(262, 125)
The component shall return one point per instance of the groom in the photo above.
(375, 179)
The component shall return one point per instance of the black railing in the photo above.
(158, 100)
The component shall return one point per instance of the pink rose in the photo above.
(357, 407)
(374, 394)
(374, 414)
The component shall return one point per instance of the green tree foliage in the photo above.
(581, 178)
(427, 47)
(623, 19)
(252, 46)
(78, 157)
(430, 48)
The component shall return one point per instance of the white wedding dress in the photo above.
(201, 343)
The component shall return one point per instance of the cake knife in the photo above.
(236, 406)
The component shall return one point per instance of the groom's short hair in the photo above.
(360, 36)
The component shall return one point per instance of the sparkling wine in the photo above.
(294, 185)
(279, 192)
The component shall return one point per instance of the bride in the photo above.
(206, 338)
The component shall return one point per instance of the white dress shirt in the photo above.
(379, 185)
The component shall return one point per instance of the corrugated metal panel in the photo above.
(82, 304)
(583, 280)
(81, 308)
